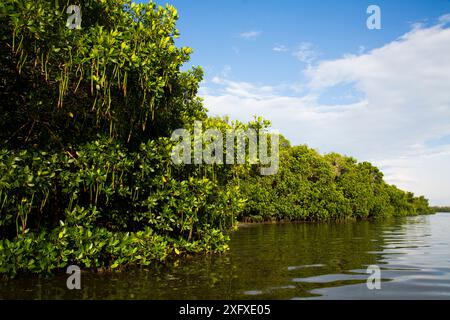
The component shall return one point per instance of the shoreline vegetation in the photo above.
(86, 176)
(441, 209)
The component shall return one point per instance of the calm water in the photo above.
(287, 261)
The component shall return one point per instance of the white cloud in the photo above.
(418, 25)
(305, 53)
(280, 48)
(248, 35)
(226, 71)
(244, 90)
(405, 104)
(361, 49)
(444, 19)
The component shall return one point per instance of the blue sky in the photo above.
(324, 79)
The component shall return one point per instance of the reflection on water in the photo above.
(286, 261)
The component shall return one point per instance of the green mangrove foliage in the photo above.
(86, 175)
(441, 209)
(105, 207)
(313, 187)
(119, 74)
(85, 171)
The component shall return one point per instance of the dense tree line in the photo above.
(313, 187)
(86, 175)
(440, 209)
